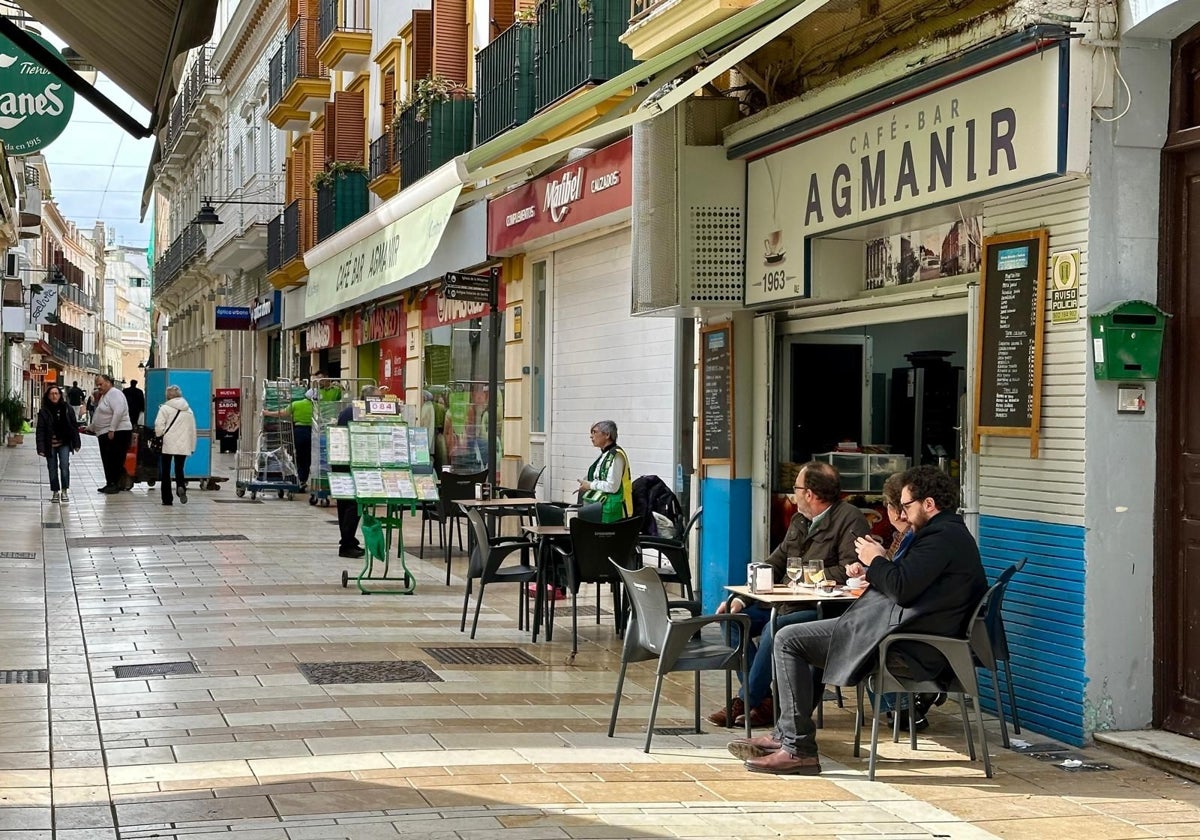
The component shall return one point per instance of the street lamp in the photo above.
(208, 219)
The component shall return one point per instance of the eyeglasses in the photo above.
(800, 488)
(904, 505)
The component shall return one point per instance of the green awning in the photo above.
(754, 27)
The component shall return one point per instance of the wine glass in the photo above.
(795, 571)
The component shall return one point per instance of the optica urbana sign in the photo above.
(35, 105)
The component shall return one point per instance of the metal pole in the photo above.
(493, 370)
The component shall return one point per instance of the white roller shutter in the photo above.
(606, 364)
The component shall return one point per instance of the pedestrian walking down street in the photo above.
(176, 425)
(113, 429)
(57, 437)
(76, 398)
(136, 398)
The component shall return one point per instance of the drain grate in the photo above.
(481, 656)
(51, 524)
(237, 501)
(337, 673)
(25, 675)
(118, 541)
(1019, 746)
(154, 669)
(18, 555)
(13, 498)
(676, 730)
(585, 609)
(195, 538)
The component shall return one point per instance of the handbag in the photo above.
(154, 443)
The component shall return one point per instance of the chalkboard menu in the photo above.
(1008, 384)
(716, 404)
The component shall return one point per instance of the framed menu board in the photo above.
(716, 401)
(1008, 379)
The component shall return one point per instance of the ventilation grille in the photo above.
(718, 260)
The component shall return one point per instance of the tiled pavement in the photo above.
(247, 748)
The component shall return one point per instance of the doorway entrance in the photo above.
(1177, 529)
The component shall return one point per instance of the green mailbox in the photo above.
(1127, 340)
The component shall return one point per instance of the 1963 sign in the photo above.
(997, 129)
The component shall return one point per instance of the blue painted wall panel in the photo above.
(724, 537)
(1043, 615)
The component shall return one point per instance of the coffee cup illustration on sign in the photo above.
(773, 251)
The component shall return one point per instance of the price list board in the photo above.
(716, 403)
(1008, 382)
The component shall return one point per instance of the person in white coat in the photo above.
(176, 425)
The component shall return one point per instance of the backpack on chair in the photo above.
(657, 506)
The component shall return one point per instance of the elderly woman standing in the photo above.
(608, 485)
(176, 425)
(57, 438)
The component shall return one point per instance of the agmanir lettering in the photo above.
(877, 177)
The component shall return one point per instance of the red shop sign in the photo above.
(323, 334)
(437, 311)
(591, 187)
(379, 322)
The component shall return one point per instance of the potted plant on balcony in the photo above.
(341, 195)
(337, 170)
(430, 91)
(12, 416)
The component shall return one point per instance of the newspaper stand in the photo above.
(325, 414)
(390, 468)
(271, 465)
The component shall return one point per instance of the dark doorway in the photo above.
(826, 391)
(1177, 529)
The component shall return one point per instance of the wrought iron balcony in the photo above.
(344, 28)
(383, 154)
(300, 54)
(297, 81)
(275, 243)
(507, 86)
(424, 145)
(191, 91)
(178, 256)
(298, 230)
(576, 47)
(341, 199)
(77, 296)
(275, 78)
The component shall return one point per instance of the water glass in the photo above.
(795, 570)
(813, 570)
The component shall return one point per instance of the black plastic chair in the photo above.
(992, 650)
(675, 551)
(527, 483)
(452, 488)
(960, 656)
(676, 643)
(486, 558)
(595, 547)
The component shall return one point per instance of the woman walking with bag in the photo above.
(175, 426)
(57, 438)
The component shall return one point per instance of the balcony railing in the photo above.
(275, 78)
(299, 230)
(342, 15)
(275, 243)
(340, 200)
(507, 86)
(300, 53)
(576, 47)
(191, 91)
(178, 256)
(77, 296)
(383, 156)
(639, 9)
(426, 144)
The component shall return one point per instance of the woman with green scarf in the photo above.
(607, 492)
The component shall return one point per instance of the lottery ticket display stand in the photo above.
(384, 465)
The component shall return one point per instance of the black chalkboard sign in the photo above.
(716, 404)
(1008, 382)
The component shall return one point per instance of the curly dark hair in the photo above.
(822, 479)
(928, 482)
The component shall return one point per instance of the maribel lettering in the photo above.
(881, 178)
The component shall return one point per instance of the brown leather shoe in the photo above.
(718, 718)
(783, 763)
(761, 715)
(745, 748)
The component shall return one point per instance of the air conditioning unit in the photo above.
(689, 212)
(11, 266)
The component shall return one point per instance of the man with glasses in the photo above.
(824, 528)
(933, 590)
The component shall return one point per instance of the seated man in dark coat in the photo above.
(933, 591)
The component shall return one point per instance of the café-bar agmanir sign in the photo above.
(35, 105)
(1001, 128)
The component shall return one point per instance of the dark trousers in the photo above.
(348, 523)
(801, 651)
(112, 456)
(303, 437)
(164, 474)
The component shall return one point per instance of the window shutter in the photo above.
(330, 134)
(295, 176)
(450, 39)
(503, 16)
(422, 45)
(316, 159)
(388, 97)
(350, 133)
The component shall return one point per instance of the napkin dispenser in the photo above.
(760, 577)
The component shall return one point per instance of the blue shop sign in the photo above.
(267, 311)
(233, 317)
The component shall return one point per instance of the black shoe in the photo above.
(922, 723)
(353, 553)
(182, 493)
(925, 702)
(110, 490)
(103, 489)
(168, 504)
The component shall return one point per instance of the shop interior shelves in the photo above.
(863, 472)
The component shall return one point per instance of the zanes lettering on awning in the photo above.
(997, 129)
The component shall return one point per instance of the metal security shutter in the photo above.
(1035, 508)
(606, 365)
(450, 39)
